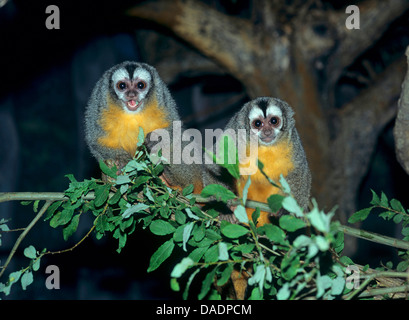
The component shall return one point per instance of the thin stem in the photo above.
(25, 232)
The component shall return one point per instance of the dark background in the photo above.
(47, 77)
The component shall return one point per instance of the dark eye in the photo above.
(275, 121)
(121, 85)
(141, 85)
(257, 123)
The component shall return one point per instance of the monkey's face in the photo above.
(266, 121)
(131, 85)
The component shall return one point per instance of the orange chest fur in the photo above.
(277, 160)
(121, 128)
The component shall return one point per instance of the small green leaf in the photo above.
(241, 214)
(26, 279)
(186, 234)
(223, 252)
(188, 190)
(246, 190)
(233, 231)
(212, 254)
(320, 220)
(207, 283)
(141, 137)
(111, 172)
(30, 252)
(284, 185)
(361, 215)
(275, 202)
(191, 215)
(101, 194)
(292, 206)
(291, 223)
(161, 228)
(134, 209)
(375, 199)
(160, 255)
(69, 230)
(225, 276)
(181, 267)
(273, 233)
(221, 193)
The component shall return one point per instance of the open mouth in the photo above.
(132, 105)
(268, 139)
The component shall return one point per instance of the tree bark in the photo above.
(401, 130)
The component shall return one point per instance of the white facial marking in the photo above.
(273, 110)
(118, 75)
(142, 74)
(255, 113)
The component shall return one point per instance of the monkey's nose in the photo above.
(132, 94)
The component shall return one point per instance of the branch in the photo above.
(375, 18)
(24, 233)
(401, 130)
(214, 34)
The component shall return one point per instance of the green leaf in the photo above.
(62, 217)
(284, 185)
(273, 233)
(320, 220)
(101, 194)
(225, 276)
(284, 292)
(375, 199)
(180, 217)
(186, 234)
(361, 215)
(188, 190)
(174, 284)
(161, 228)
(198, 253)
(275, 202)
(223, 252)
(212, 255)
(241, 214)
(134, 209)
(221, 193)
(246, 190)
(207, 283)
(26, 279)
(191, 215)
(141, 137)
(255, 215)
(397, 206)
(30, 252)
(111, 172)
(69, 230)
(160, 255)
(181, 267)
(291, 205)
(384, 200)
(233, 231)
(291, 223)
(337, 286)
(122, 179)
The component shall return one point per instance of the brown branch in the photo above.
(375, 18)
(401, 130)
(214, 34)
